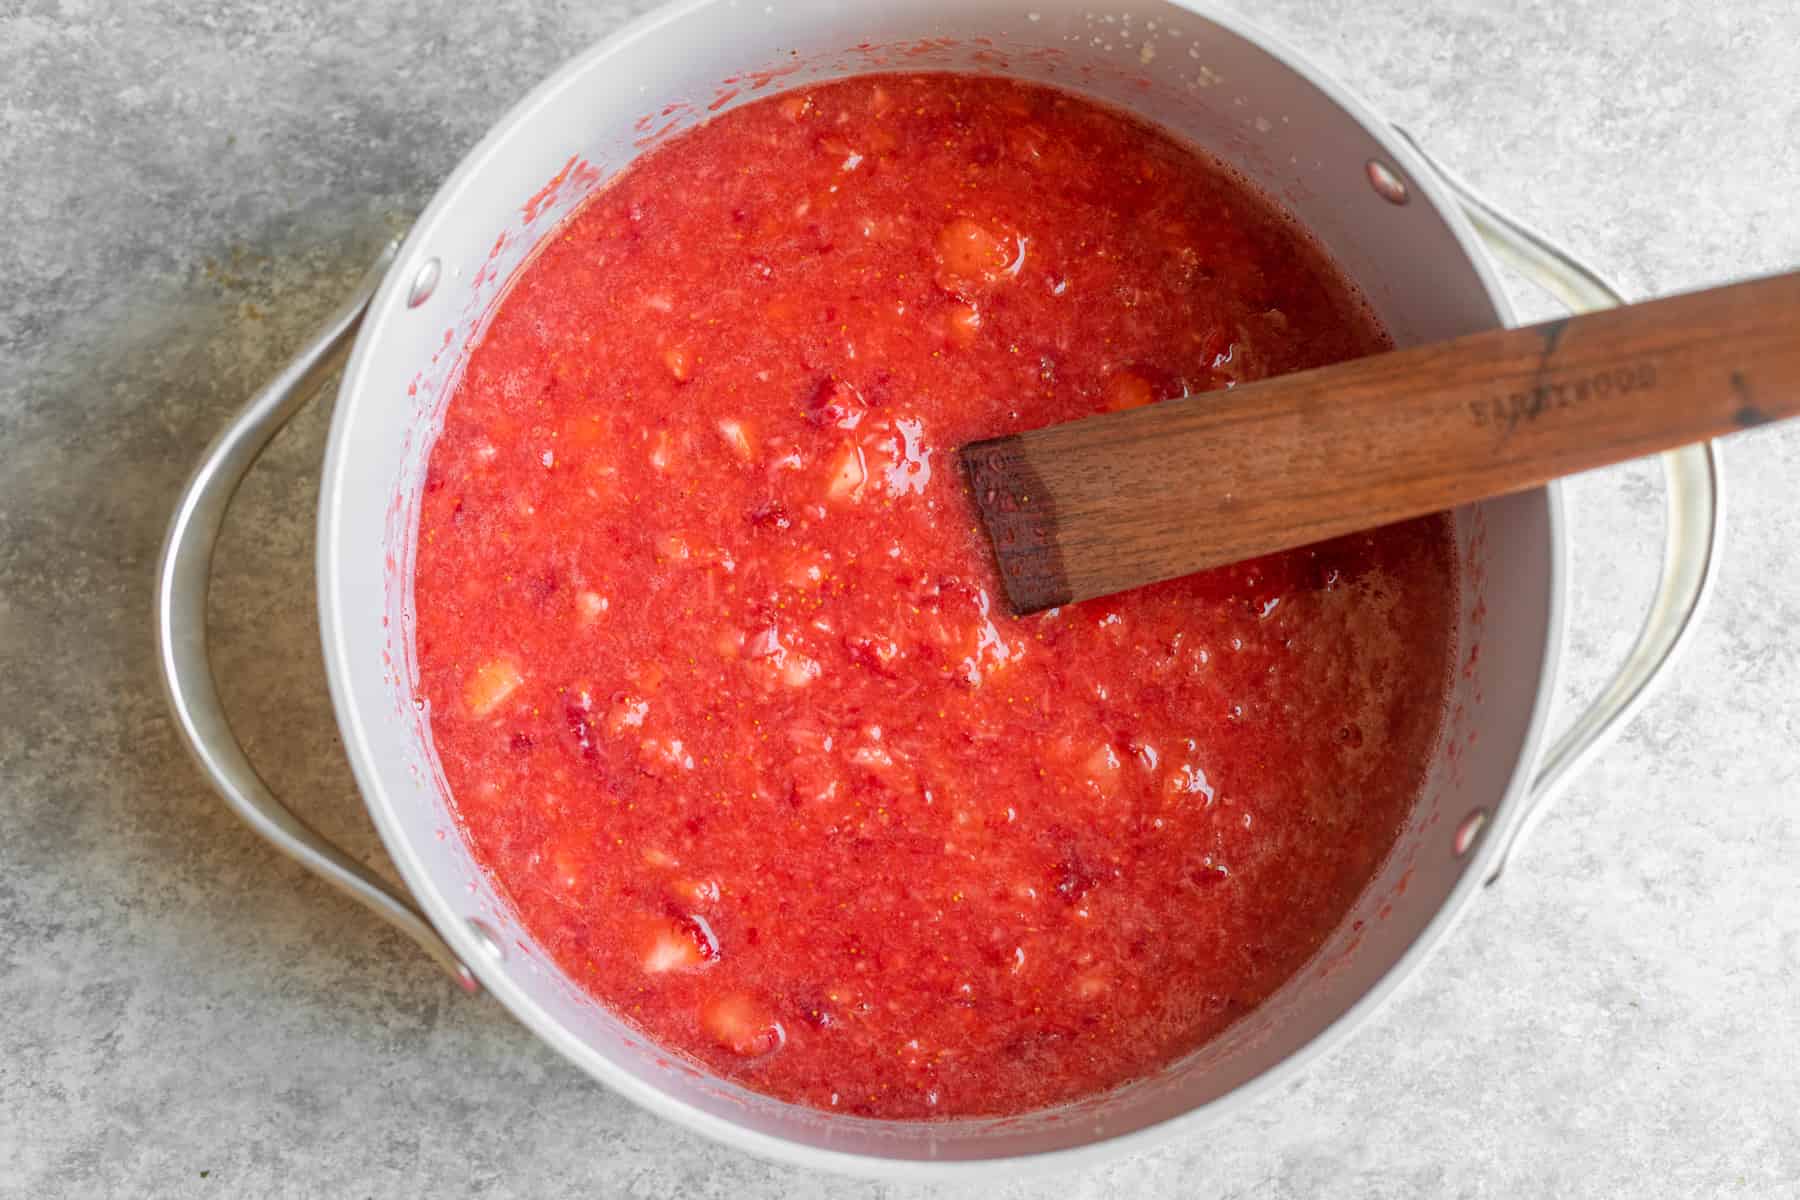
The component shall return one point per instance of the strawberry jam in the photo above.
(717, 665)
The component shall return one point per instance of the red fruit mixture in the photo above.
(717, 665)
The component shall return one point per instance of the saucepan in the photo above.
(1417, 242)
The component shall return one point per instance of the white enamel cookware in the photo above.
(1417, 243)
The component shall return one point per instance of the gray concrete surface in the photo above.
(185, 187)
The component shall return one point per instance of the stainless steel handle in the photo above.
(182, 577)
(1694, 526)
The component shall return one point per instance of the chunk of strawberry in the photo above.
(764, 643)
(1074, 874)
(1027, 143)
(670, 753)
(583, 431)
(770, 514)
(662, 451)
(1127, 389)
(972, 257)
(797, 670)
(1138, 385)
(965, 323)
(729, 643)
(741, 1025)
(1092, 985)
(682, 943)
(877, 653)
(803, 573)
(845, 477)
(1188, 780)
(627, 712)
(490, 684)
(835, 402)
(589, 606)
(567, 858)
(577, 716)
(737, 437)
(872, 758)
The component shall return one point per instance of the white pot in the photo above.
(1226, 88)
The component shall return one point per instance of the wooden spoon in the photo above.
(1117, 501)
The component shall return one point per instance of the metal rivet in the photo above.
(1387, 182)
(424, 283)
(484, 937)
(1468, 831)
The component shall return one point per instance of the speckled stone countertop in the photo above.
(187, 187)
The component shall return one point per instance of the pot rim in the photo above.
(390, 302)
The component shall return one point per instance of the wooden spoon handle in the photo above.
(1121, 500)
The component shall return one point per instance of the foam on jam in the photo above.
(715, 660)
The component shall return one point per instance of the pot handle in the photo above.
(183, 574)
(1694, 527)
